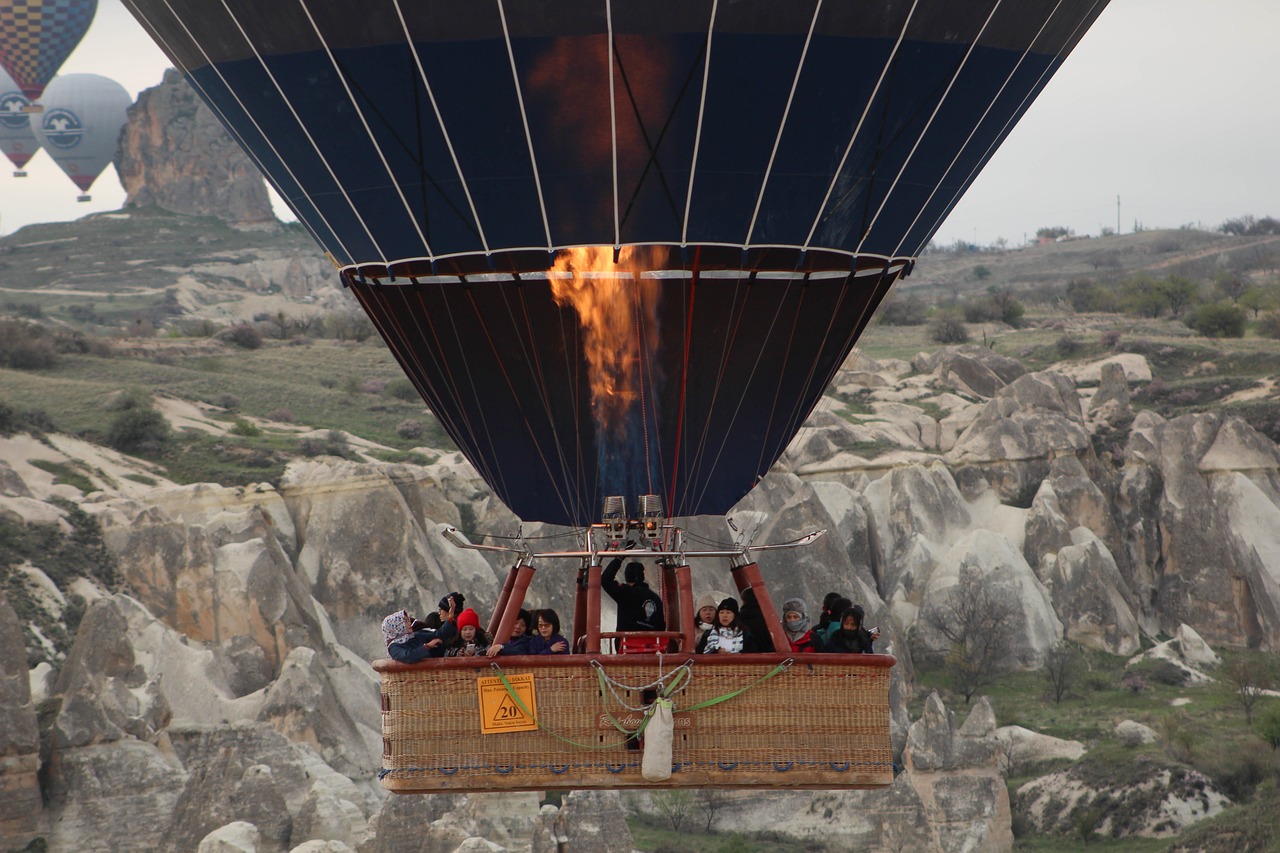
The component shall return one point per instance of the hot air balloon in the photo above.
(81, 123)
(37, 36)
(621, 248)
(17, 140)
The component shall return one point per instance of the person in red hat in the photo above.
(471, 639)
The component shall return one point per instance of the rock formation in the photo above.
(175, 154)
(220, 693)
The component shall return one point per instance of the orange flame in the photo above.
(616, 310)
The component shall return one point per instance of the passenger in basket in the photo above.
(827, 616)
(520, 638)
(548, 640)
(838, 607)
(639, 607)
(753, 621)
(409, 641)
(443, 608)
(471, 640)
(795, 621)
(850, 637)
(704, 619)
(729, 636)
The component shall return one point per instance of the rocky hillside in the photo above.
(175, 155)
(214, 684)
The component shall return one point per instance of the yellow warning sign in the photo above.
(499, 711)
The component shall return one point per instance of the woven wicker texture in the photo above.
(821, 723)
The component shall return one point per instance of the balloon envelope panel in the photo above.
(784, 162)
(17, 139)
(436, 129)
(81, 123)
(37, 36)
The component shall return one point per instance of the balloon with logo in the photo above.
(621, 247)
(81, 123)
(17, 139)
(37, 36)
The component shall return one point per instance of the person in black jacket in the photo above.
(850, 637)
(753, 620)
(410, 641)
(639, 607)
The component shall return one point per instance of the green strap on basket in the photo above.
(515, 697)
(782, 667)
(665, 694)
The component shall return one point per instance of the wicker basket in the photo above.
(821, 721)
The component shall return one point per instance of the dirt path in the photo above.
(1204, 253)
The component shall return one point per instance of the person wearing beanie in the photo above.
(471, 640)
(547, 639)
(795, 621)
(704, 618)
(445, 610)
(729, 636)
(850, 637)
(409, 644)
(639, 607)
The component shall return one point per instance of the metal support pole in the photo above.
(684, 597)
(751, 577)
(511, 611)
(503, 597)
(593, 609)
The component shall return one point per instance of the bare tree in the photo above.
(1061, 667)
(1248, 678)
(711, 801)
(673, 806)
(975, 620)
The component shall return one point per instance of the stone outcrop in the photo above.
(19, 737)
(175, 154)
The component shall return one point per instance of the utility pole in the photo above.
(1117, 215)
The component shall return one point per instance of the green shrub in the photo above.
(1218, 320)
(246, 428)
(139, 431)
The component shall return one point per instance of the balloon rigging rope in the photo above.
(613, 123)
(305, 131)
(641, 352)
(835, 177)
(929, 123)
(697, 138)
(974, 129)
(782, 124)
(684, 383)
(453, 155)
(702, 430)
(555, 481)
(531, 355)
(1013, 117)
(346, 87)
(524, 120)
(190, 78)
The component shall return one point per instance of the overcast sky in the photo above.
(1172, 105)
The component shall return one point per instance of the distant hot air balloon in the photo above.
(37, 36)
(81, 123)
(17, 140)
(761, 171)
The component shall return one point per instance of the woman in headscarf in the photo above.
(409, 641)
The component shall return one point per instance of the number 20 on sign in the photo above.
(499, 712)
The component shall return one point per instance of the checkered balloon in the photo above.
(37, 36)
